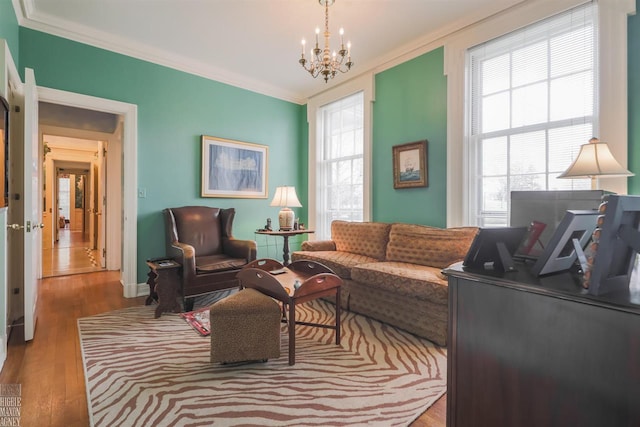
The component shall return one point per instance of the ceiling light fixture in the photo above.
(322, 61)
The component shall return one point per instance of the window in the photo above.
(533, 97)
(340, 163)
(64, 196)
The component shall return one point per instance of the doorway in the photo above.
(71, 239)
(74, 198)
(119, 174)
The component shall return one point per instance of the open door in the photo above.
(32, 211)
(101, 204)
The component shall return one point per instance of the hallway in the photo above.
(70, 255)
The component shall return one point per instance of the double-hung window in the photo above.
(533, 103)
(340, 163)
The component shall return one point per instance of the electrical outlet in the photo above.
(142, 193)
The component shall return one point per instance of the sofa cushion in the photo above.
(318, 245)
(340, 263)
(430, 246)
(412, 280)
(362, 238)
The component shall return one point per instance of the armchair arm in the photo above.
(185, 255)
(246, 249)
(318, 245)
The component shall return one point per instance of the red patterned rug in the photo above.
(198, 320)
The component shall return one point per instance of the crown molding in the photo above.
(28, 17)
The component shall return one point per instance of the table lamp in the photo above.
(286, 197)
(595, 160)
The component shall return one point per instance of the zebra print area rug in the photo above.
(142, 371)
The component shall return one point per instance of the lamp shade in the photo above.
(286, 197)
(595, 159)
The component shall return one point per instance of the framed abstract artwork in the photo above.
(410, 165)
(233, 168)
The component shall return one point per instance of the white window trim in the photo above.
(365, 84)
(612, 73)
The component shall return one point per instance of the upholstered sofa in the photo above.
(393, 272)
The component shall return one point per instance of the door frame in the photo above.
(122, 211)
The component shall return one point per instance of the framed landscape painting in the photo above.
(410, 165)
(233, 168)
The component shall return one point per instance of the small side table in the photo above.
(164, 285)
(285, 235)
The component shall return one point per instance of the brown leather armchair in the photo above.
(200, 239)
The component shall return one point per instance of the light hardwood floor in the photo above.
(70, 255)
(50, 367)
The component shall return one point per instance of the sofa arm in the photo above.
(318, 245)
(246, 249)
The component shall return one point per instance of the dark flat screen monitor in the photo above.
(492, 248)
(560, 252)
(542, 212)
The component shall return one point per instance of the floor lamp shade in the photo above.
(286, 197)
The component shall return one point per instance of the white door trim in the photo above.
(128, 210)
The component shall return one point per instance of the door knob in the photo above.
(15, 226)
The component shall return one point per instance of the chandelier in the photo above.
(322, 61)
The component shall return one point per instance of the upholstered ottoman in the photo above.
(245, 326)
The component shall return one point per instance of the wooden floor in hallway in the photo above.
(71, 254)
(49, 368)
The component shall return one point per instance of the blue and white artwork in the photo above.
(234, 169)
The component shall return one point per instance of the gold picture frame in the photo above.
(410, 165)
(234, 168)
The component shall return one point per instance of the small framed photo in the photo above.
(410, 165)
(233, 168)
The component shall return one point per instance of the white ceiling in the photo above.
(255, 44)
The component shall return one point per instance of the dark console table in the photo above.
(539, 351)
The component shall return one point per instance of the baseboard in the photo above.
(132, 290)
(142, 289)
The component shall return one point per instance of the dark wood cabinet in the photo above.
(530, 351)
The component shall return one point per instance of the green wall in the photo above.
(9, 28)
(633, 71)
(411, 105)
(174, 110)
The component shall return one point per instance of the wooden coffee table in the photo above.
(315, 281)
